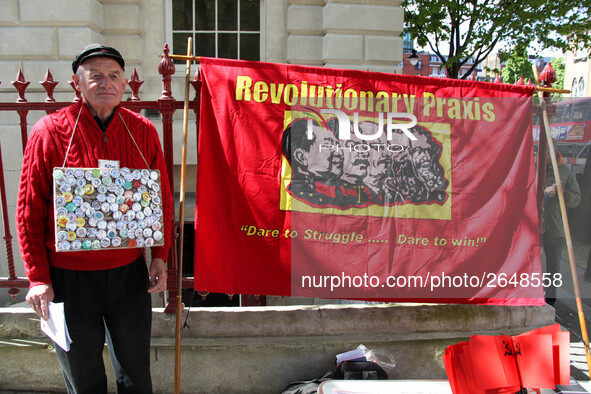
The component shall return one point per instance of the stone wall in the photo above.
(362, 35)
(261, 350)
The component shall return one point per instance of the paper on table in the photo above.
(55, 327)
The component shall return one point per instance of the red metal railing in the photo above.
(166, 105)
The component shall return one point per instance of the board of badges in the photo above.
(99, 208)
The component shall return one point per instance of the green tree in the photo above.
(468, 30)
(517, 66)
(558, 66)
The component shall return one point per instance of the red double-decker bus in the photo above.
(570, 127)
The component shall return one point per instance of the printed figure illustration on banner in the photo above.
(352, 184)
(335, 160)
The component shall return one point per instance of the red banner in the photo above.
(330, 183)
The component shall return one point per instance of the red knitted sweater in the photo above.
(46, 149)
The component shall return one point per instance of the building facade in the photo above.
(577, 73)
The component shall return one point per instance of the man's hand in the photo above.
(551, 191)
(38, 296)
(158, 276)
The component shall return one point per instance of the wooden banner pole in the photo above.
(179, 296)
(569, 243)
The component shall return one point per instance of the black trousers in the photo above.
(111, 305)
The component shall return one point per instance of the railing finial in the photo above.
(166, 69)
(134, 84)
(21, 85)
(49, 85)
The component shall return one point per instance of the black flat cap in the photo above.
(94, 50)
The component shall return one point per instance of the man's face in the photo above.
(380, 158)
(324, 161)
(356, 160)
(421, 158)
(101, 82)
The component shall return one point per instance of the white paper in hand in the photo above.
(55, 327)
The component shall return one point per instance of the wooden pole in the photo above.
(179, 296)
(569, 242)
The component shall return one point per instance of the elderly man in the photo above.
(106, 292)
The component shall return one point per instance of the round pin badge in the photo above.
(62, 236)
(71, 207)
(96, 244)
(88, 189)
(116, 242)
(76, 245)
(95, 182)
(64, 246)
(77, 200)
(149, 242)
(96, 173)
(71, 235)
(71, 226)
(79, 191)
(154, 175)
(79, 173)
(60, 201)
(58, 174)
(91, 233)
(81, 232)
(87, 244)
(61, 211)
(115, 173)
